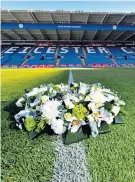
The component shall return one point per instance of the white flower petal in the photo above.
(19, 102)
(50, 109)
(57, 126)
(115, 110)
(75, 128)
(68, 104)
(32, 93)
(23, 113)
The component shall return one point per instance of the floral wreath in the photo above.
(67, 109)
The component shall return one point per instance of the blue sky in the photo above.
(102, 6)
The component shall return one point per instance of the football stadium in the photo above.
(67, 39)
(41, 47)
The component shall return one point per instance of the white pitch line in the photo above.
(71, 161)
(70, 79)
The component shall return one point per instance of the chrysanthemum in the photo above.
(50, 109)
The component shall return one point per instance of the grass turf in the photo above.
(24, 160)
(111, 156)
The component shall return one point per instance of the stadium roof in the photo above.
(77, 17)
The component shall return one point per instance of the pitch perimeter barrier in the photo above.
(69, 66)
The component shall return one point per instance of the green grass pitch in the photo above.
(110, 156)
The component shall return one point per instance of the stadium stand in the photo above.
(35, 55)
(39, 56)
(70, 55)
(96, 57)
(64, 46)
(14, 56)
(123, 55)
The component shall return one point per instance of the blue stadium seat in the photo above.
(14, 58)
(36, 57)
(119, 55)
(70, 57)
(97, 58)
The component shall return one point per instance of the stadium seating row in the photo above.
(26, 55)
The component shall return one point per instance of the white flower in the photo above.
(121, 103)
(92, 106)
(74, 128)
(110, 98)
(32, 93)
(107, 90)
(19, 102)
(57, 126)
(75, 84)
(110, 119)
(98, 97)
(115, 110)
(83, 89)
(81, 97)
(94, 129)
(37, 100)
(73, 98)
(68, 104)
(87, 98)
(23, 113)
(44, 98)
(63, 88)
(70, 119)
(90, 118)
(116, 99)
(106, 116)
(50, 109)
(52, 91)
(43, 89)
